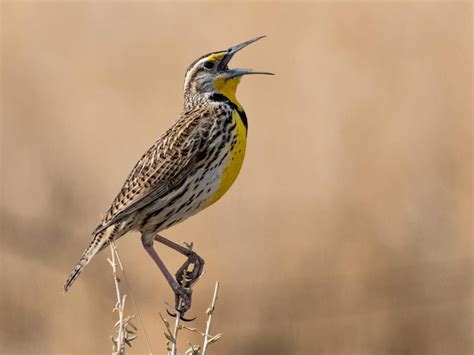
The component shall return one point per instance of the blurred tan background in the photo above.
(349, 230)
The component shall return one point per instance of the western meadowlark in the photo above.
(188, 168)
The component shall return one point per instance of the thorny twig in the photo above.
(125, 330)
(208, 339)
(175, 333)
(169, 335)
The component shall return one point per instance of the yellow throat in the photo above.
(236, 154)
(228, 88)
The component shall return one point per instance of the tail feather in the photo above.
(98, 242)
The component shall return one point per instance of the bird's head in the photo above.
(210, 74)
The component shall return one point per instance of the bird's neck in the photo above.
(193, 100)
(223, 88)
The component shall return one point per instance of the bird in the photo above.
(187, 169)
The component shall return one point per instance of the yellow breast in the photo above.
(234, 161)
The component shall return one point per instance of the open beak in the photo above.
(230, 73)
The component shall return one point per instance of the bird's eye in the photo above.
(208, 64)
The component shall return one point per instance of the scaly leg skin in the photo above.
(182, 296)
(185, 277)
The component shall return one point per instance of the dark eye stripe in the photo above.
(198, 60)
(208, 64)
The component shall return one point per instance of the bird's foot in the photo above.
(186, 277)
(182, 303)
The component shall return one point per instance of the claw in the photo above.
(174, 315)
(171, 314)
(187, 319)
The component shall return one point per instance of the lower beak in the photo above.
(230, 53)
(232, 73)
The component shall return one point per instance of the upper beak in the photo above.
(230, 53)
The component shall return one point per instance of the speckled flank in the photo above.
(233, 160)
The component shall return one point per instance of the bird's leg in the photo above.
(183, 296)
(184, 276)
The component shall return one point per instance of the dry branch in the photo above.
(125, 331)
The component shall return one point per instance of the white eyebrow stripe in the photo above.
(191, 71)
